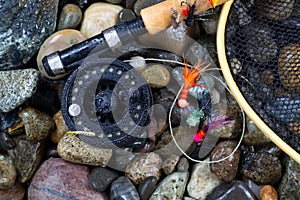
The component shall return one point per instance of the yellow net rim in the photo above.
(236, 92)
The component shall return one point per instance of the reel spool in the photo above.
(111, 100)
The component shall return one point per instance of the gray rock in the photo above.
(70, 17)
(290, 184)
(170, 163)
(58, 179)
(146, 187)
(144, 166)
(253, 135)
(126, 15)
(26, 157)
(123, 189)
(16, 87)
(171, 187)
(37, 124)
(114, 1)
(101, 178)
(202, 181)
(228, 168)
(8, 173)
(183, 165)
(232, 190)
(72, 149)
(23, 27)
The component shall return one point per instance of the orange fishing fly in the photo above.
(190, 76)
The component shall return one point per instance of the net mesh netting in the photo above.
(263, 52)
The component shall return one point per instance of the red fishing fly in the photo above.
(198, 137)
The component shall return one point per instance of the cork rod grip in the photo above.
(159, 16)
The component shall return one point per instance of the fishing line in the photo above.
(175, 100)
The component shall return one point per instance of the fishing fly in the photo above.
(190, 76)
(213, 3)
(198, 137)
(189, 12)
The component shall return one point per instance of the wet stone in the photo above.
(255, 188)
(16, 192)
(70, 17)
(37, 124)
(231, 190)
(58, 179)
(98, 17)
(275, 10)
(114, 1)
(253, 135)
(101, 178)
(123, 189)
(144, 166)
(268, 192)
(140, 4)
(121, 158)
(290, 184)
(74, 150)
(262, 167)
(58, 41)
(16, 86)
(61, 127)
(228, 168)
(7, 173)
(170, 163)
(126, 15)
(23, 27)
(26, 157)
(146, 187)
(171, 187)
(157, 76)
(202, 181)
(183, 165)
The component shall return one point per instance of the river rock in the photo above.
(126, 15)
(146, 187)
(276, 10)
(98, 17)
(202, 181)
(183, 165)
(169, 164)
(101, 178)
(72, 149)
(268, 192)
(70, 17)
(23, 27)
(143, 167)
(171, 187)
(228, 168)
(290, 184)
(58, 179)
(26, 157)
(37, 124)
(253, 135)
(262, 167)
(61, 127)
(8, 173)
(288, 67)
(231, 190)
(140, 4)
(58, 41)
(123, 189)
(156, 75)
(255, 188)
(121, 158)
(16, 192)
(16, 86)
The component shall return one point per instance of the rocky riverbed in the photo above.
(41, 158)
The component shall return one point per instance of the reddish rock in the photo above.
(58, 179)
(16, 192)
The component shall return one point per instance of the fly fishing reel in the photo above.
(108, 102)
